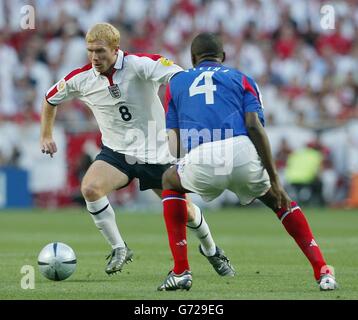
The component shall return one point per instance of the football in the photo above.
(57, 261)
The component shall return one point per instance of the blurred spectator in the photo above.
(303, 174)
(9, 144)
(9, 62)
(67, 51)
(281, 156)
(311, 175)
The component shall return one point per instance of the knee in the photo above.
(191, 210)
(167, 179)
(91, 191)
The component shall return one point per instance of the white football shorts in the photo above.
(231, 164)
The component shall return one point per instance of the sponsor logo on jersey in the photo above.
(61, 85)
(166, 62)
(114, 91)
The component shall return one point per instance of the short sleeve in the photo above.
(66, 88)
(156, 68)
(60, 92)
(172, 121)
(252, 101)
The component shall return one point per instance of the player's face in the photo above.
(101, 55)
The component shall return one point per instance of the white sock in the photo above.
(201, 230)
(104, 218)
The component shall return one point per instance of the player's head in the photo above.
(102, 46)
(207, 46)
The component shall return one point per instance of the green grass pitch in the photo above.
(268, 262)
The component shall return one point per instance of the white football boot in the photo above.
(327, 281)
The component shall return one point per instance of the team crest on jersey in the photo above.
(166, 62)
(114, 91)
(61, 85)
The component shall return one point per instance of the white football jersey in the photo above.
(125, 104)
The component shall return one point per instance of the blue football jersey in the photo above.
(209, 102)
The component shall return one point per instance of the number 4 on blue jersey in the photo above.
(212, 96)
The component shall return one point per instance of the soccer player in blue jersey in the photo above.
(215, 114)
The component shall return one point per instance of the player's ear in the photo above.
(224, 57)
(193, 60)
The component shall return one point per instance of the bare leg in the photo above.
(100, 179)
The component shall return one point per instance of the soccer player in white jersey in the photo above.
(121, 89)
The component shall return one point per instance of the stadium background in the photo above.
(308, 77)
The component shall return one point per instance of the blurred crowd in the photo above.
(307, 73)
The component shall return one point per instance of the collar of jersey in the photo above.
(208, 63)
(118, 65)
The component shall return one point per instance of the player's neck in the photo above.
(110, 70)
(213, 60)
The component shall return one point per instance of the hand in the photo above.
(283, 200)
(48, 146)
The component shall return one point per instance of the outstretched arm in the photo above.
(48, 115)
